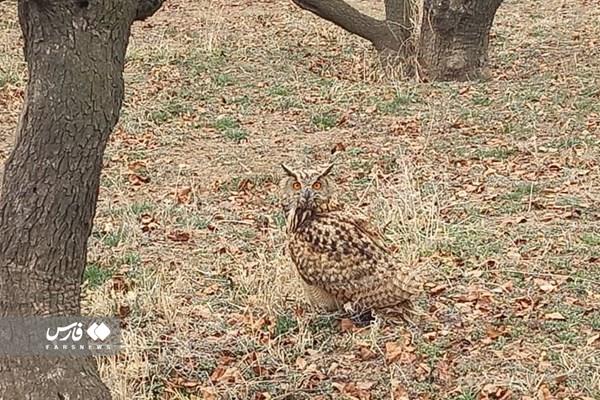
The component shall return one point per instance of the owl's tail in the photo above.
(397, 291)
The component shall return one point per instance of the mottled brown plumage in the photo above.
(339, 258)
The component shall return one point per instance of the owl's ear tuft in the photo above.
(327, 171)
(288, 171)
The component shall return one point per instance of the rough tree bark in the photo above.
(75, 52)
(452, 43)
(454, 38)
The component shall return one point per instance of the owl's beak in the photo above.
(306, 197)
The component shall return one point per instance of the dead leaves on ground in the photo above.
(137, 173)
(401, 352)
(183, 195)
(148, 222)
(179, 235)
(355, 390)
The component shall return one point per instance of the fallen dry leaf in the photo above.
(178, 236)
(183, 195)
(338, 148)
(245, 185)
(366, 354)
(393, 351)
(136, 166)
(400, 392)
(494, 392)
(493, 332)
(181, 382)
(346, 325)
(119, 284)
(366, 385)
(208, 393)
(544, 393)
(360, 391)
(136, 179)
(146, 219)
(148, 223)
(123, 311)
(544, 285)
(226, 374)
(556, 316)
(437, 290)
(301, 363)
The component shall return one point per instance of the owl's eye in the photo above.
(317, 185)
(296, 186)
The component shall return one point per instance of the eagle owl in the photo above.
(339, 259)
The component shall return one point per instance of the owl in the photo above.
(341, 261)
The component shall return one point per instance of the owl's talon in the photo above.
(349, 308)
(363, 318)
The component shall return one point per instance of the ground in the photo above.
(492, 189)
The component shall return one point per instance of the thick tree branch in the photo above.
(347, 17)
(147, 8)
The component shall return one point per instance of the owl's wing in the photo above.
(346, 259)
(372, 231)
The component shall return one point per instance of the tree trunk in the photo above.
(75, 52)
(454, 38)
(452, 45)
(399, 17)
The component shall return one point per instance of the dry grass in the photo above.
(491, 188)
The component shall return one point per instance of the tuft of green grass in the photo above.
(481, 100)
(230, 129)
(362, 182)
(141, 208)
(95, 275)
(591, 239)
(471, 241)
(131, 258)
(285, 324)
(279, 219)
(497, 153)
(521, 191)
(169, 110)
(243, 101)
(8, 78)
(355, 151)
(324, 121)
(323, 323)
(198, 62)
(223, 80)
(399, 103)
(278, 90)
(224, 123)
(286, 103)
(113, 239)
(236, 135)
(199, 222)
(465, 395)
